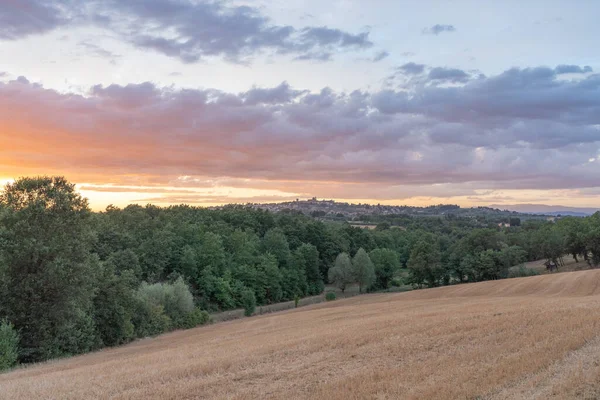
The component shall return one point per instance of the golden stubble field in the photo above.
(524, 338)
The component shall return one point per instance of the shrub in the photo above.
(522, 271)
(150, 319)
(196, 318)
(296, 301)
(175, 299)
(249, 302)
(9, 345)
(330, 296)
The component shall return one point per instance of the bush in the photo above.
(330, 296)
(522, 271)
(196, 318)
(9, 345)
(175, 299)
(296, 301)
(150, 319)
(249, 302)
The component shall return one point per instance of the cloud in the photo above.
(380, 56)
(277, 95)
(572, 69)
(520, 129)
(97, 51)
(184, 29)
(316, 56)
(412, 68)
(19, 19)
(448, 74)
(437, 29)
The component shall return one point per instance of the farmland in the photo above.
(534, 337)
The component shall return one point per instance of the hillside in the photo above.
(533, 337)
(331, 209)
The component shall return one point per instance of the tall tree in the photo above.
(386, 265)
(49, 269)
(341, 274)
(424, 263)
(363, 269)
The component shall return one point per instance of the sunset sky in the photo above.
(392, 102)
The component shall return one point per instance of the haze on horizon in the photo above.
(391, 102)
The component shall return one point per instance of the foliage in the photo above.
(329, 296)
(72, 280)
(174, 299)
(195, 318)
(386, 264)
(363, 270)
(248, 302)
(342, 272)
(9, 345)
(425, 264)
(522, 271)
(49, 270)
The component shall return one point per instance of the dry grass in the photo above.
(524, 338)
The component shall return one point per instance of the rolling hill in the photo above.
(523, 338)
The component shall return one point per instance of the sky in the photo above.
(392, 102)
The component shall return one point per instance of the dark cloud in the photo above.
(277, 95)
(412, 68)
(184, 29)
(316, 56)
(572, 69)
(523, 128)
(437, 29)
(380, 56)
(21, 18)
(448, 74)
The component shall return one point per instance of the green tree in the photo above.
(306, 259)
(212, 253)
(424, 264)
(248, 302)
(363, 269)
(49, 270)
(341, 274)
(275, 242)
(114, 305)
(9, 345)
(386, 264)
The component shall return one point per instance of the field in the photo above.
(524, 338)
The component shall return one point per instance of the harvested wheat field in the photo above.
(525, 338)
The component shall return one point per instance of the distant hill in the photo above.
(330, 209)
(547, 210)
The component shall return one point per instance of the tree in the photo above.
(188, 265)
(275, 242)
(212, 253)
(363, 269)
(9, 345)
(340, 274)
(306, 258)
(424, 264)
(269, 280)
(49, 269)
(248, 302)
(114, 305)
(386, 264)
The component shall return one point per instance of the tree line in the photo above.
(73, 280)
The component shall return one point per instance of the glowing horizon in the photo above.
(298, 104)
